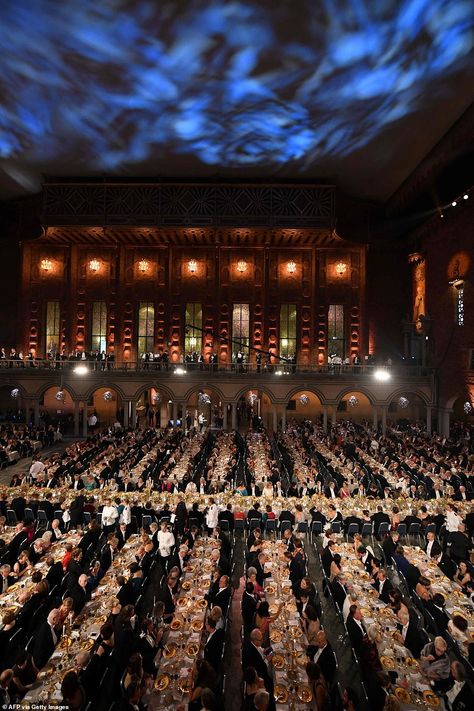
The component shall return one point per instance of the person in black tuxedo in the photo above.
(254, 512)
(228, 516)
(47, 507)
(355, 627)
(5, 578)
(252, 657)
(327, 556)
(383, 586)
(259, 567)
(460, 696)
(433, 548)
(389, 546)
(79, 594)
(338, 590)
(409, 635)
(55, 572)
(167, 597)
(248, 606)
(447, 566)
(436, 608)
(297, 564)
(222, 595)
(379, 517)
(365, 557)
(45, 640)
(214, 645)
(286, 515)
(459, 544)
(317, 515)
(324, 656)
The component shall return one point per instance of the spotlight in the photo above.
(465, 196)
(180, 371)
(454, 203)
(382, 375)
(81, 369)
(442, 215)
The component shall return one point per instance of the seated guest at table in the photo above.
(311, 626)
(338, 589)
(131, 700)
(73, 695)
(365, 557)
(254, 512)
(409, 635)
(335, 568)
(396, 602)
(253, 656)
(457, 628)
(24, 673)
(383, 585)
(64, 610)
(379, 692)
(259, 566)
(134, 671)
(216, 615)
(248, 606)
(221, 595)
(355, 627)
(125, 637)
(459, 544)
(324, 657)
(252, 578)
(462, 575)
(79, 593)
(45, 640)
(297, 569)
(436, 608)
(6, 579)
(203, 677)
(327, 556)
(434, 663)
(22, 565)
(252, 684)
(263, 620)
(446, 565)
(287, 515)
(167, 596)
(460, 695)
(389, 546)
(423, 588)
(369, 655)
(433, 548)
(317, 684)
(255, 535)
(214, 645)
(305, 585)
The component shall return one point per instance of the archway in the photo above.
(13, 406)
(463, 409)
(254, 410)
(304, 405)
(204, 408)
(405, 408)
(107, 406)
(56, 407)
(154, 407)
(354, 405)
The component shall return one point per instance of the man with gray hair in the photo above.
(460, 695)
(261, 700)
(46, 639)
(6, 579)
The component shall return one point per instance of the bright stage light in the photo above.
(382, 375)
(81, 369)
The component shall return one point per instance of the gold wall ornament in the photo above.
(291, 267)
(242, 266)
(341, 269)
(143, 266)
(46, 265)
(94, 266)
(192, 266)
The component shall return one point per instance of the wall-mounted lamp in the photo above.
(46, 265)
(241, 266)
(291, 267)
(192, 266)
(143, 266)
(341, 269)
(94, 265)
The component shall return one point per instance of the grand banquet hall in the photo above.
(237, 355)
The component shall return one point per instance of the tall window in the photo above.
(287, 330)
(336, 340)
(240, 328)
(53, 326)
(146, 328)
(193, 332)
(460, 305)
(99, 326)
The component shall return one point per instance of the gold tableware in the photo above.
(169, 651)
(189, 568)
(102, 619)
(278, 661)
(461, 614)
(162, 682)
(301, 658)
(182, 602)
(387, 662)
(201, 604)
(46, 672)
(412, 663)
(186, 585)
(304, 694)
(13, 587)
(365, 611)
(269, 590)
(65, 643)
(402, 695)
(175, 624)
(430, 698)
(197, 625)
(273, 609)
(281, 694)
(192, 649)
(87, 644)
(275, 636)
(296, 632)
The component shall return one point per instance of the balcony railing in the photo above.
(401, 370)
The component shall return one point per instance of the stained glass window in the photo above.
(287, 330)
(336, 331)
(99, 326)
(146, 328)
(193, 333)
(53, 326)
(241, 329)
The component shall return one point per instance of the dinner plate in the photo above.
(402, 695)
(412, 663)
(186, 585)
(269, 590)
(65, 643)
(13, 587)
(275, 636)
(182, 602)
(101, 620)
(291, 607)
(273, 609)
(162, 682)
(387, 662)
(169, 651)
(281, 694)
(201, 604)
(175, 624)
(278, 661)
(192, 649)
(197, 625)
(430, 698)
(46, 672)
(296, 632)
(305, 694)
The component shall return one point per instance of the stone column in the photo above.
(133, 413)
(84, 420)
(76, 418)
(275, 418)
(444, 421)
(224, 415)
(334, 415)
(175, 413)
(234, 416)
(37, 412)
(283, 418)
(384, 419)
(428, 419)
(126, 413)
(325, 419)
(374, 415)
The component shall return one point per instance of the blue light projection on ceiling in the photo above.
(232, 83)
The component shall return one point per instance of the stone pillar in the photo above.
(444, 421)
(27, 402)
(275, 418)
(175, 413)
(126, 413)
(37, 413)
(325, 419)
(428, 419)
(133, 413)
(234, 416)
(224, 415)
(84, 420)
(384, 419)
(283, 418)
(164, 415)
(76, 418)
(334, 415)
(374, 415)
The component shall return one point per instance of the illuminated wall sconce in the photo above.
(341, 269)
(94, 265)
(241, 266)
(47, 265)
(143, 266)
(192, 266)
(291, 267)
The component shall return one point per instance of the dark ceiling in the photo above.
(355, 92)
